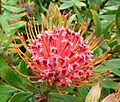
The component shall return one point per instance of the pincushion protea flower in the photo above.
(61, 56)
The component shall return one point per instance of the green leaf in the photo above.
(83, 92)
(3, 64)
(109, 84)
(98, 3)
(14, 17)
(116, 71)
(4, 97)
(91, 2)
(79, 16)
(106, 91)
(11, 2)
(30, 87)
(39, 3)
(101, 69)
(107, 27)
(6, 89)
(13, 9)
(97, 22)
(112, 7)
(66, 5)
(116, 2)
(17, 25)
(39, 20)
(56, 97)
(78, 3)
(114, 64)
(12, 79)
(21, 97)
(4, 23)
(107, 17)
(23, 67)
(71, 19)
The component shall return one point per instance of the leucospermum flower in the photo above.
(61, 56)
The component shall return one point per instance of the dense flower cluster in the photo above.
(62, 55)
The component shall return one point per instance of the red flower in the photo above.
(62, 57)
(61, 54)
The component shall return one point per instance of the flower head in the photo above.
(61, 56)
